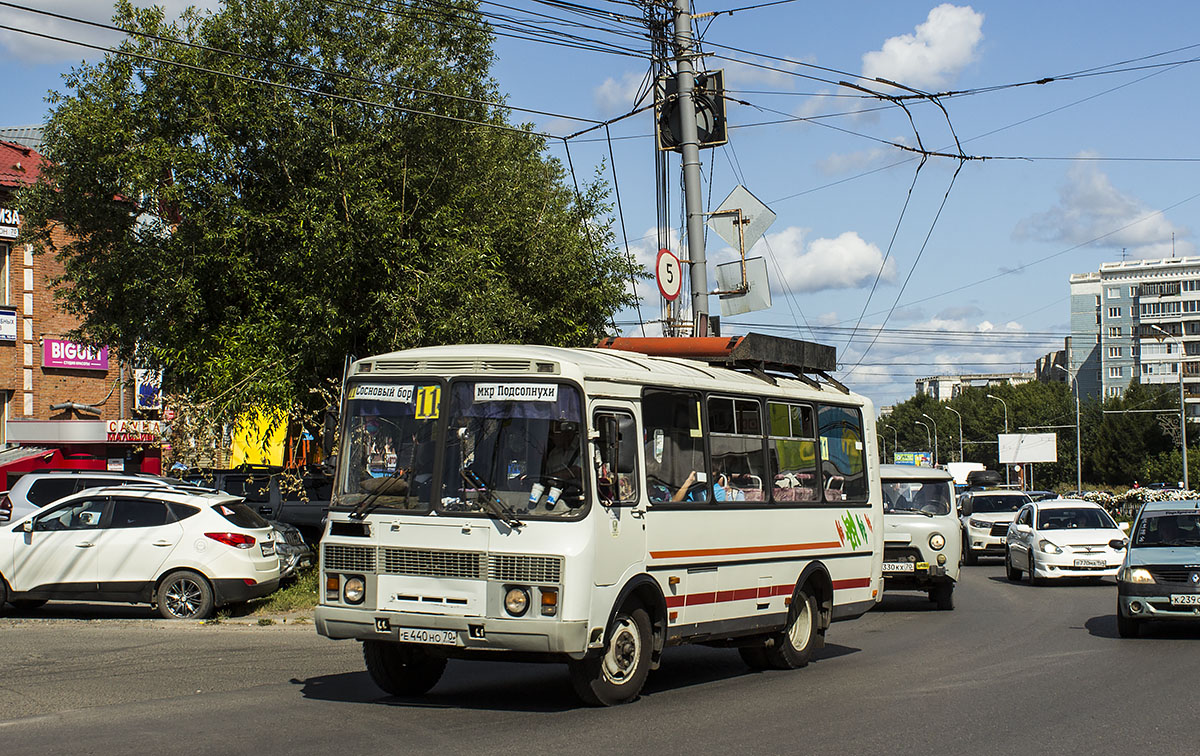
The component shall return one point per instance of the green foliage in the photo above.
(246, 237)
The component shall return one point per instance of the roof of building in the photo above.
(29, 136)
(19, 165)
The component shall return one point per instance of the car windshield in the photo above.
(390, 445)
(928, 497)
(1168, 528)
(999, 503)
(1067, 518)
(516, 445)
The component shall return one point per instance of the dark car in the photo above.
(296, 497)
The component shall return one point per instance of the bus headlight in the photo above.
(354, 590)
(516, 601)
(936, 542)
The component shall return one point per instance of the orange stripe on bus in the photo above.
(736, 550)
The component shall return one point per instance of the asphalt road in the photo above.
(1013, 669)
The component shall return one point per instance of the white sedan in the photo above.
(1063, 538)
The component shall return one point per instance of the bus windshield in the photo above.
(520, 443)
(390, 445)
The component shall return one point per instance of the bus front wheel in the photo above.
(402, 669)
(616, 675)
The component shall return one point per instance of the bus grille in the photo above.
(525, 569)
(439, 564)
(350, 558)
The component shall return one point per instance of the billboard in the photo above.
(1018, 448)
(920, 459)
(60, 353)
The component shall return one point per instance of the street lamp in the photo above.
(935, 440)
(991, 396)
(895, 438)
(1182, 406)
(1078, 456)
(961, 458)
(928, 440)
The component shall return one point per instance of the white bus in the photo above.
(594, 506)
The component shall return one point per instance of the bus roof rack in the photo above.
(754, 352)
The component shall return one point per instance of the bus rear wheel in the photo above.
(793, 647)
(402, 669)
(616, 675)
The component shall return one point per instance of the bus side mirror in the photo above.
(610, 440)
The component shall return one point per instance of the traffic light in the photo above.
(709, 96)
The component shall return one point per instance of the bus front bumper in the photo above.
(538, 635)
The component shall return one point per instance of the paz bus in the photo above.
(594, 506)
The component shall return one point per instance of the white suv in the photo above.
(183, 550)
(986, 516)
(34, 490)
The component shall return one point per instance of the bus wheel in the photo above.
(616, 676)
(754, 656)
(402, 669)
(792, 648)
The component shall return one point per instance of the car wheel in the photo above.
(1012, 571)
(3, 593)
(402, 669)
(969, 556)
(617, 674)
(1033, 578)
(1127, 627)
(28, 604)
(185, 595)
(943, 595)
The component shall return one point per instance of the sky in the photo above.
(908, 273)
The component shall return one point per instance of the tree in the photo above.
(245, 237)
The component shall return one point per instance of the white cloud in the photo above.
(845, 262)
(1090, 207)
(934, 56)
(37, 50)
(616, 96)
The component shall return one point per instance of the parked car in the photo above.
(985, 518)
(922, 540)
(34, 490)
(1160, 577)
(184, 551)
(294, 552)
(1063, 538)
(299, 498)
(1041, 495)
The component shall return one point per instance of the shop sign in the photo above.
(60, 353)
(8, 325)
(9, 221)
(134, 431)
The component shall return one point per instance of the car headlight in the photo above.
(1049, 548)
(354, 590)
(936, 542)
(1135, 575)
(979, 523)
(516, 601)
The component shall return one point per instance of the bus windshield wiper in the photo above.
(494, 505)
(385, 485)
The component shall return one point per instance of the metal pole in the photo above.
(1078, 454)
(926, 427)
(961, 458)
(935, 439)
(689, 144)
(1007, 482)
(1182, 405)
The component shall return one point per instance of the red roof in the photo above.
(19, 165)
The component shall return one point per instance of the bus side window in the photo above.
(843, 461)
(735, 434)
(616, 458)
(792, 452)
(674, 445)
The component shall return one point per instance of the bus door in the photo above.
(620, 532)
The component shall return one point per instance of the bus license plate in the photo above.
(423, 635)
(897, 566)
(1185, 599)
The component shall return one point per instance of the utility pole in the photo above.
(689, 145)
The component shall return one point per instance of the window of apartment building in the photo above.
(1097, 300)
(1114, 292)
(1114, 351)
(1193, 327)
(1114, 312)
(1098, 376)
(1114, 390)
(1191, 285)
(1133, 291)
(1114, 331)
(1114, 372)
(1192, 305)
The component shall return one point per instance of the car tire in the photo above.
(616, 674)
(943, 596)
(1127, 627)
(184, 594)
(969, 556)
(792, 647)
(1011, 570)
(402, 669)
(3, 593)
(1033, 578)
(27, 605)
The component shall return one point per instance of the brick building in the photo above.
(63, 405)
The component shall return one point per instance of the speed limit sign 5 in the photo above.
(669, 275)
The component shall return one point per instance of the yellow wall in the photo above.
(258, 438)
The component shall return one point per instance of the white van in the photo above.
(922, 537)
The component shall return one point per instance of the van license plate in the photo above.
(897, 566)
(422, 635)
(1185, 599)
